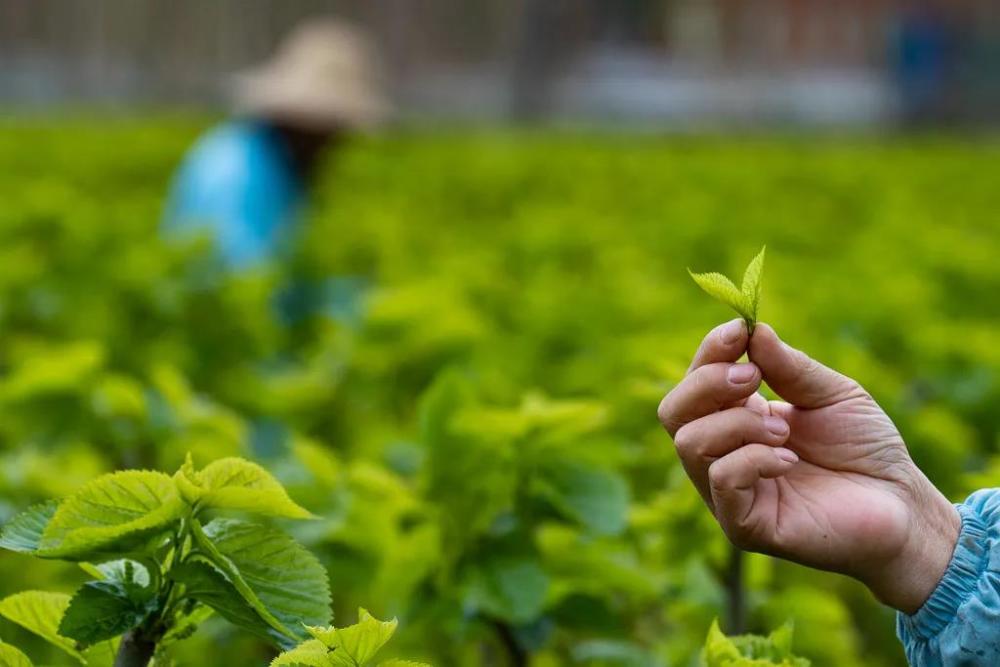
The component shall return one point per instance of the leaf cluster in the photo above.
(160, 560)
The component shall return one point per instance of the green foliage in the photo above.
(750, 650)
(11, 657)
(462, 382)
(156, 563)
(745, 299)
(353, 646)
(40, 612)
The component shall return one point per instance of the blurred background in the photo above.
(676, 63)
(454, 355)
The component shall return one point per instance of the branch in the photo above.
(135, 650)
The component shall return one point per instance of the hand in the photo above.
(823, 479)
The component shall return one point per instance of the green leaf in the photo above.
(278, 578)
(750, 650)
(746, 299)
(206, 583)
(40, 612)
(23, 533)
(11, 657)
(101, 610)
(115, 513)
(396, 662)
(752, 281)
(312, 653)
(236, 484)
(510, 588)
(356, 644)
(596, 498)
(722, 289)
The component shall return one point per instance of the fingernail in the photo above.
(776, 425)
(786, 455)
(741, 373)
(731, 332)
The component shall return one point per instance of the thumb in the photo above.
(794, 375)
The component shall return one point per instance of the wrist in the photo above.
(907, 579)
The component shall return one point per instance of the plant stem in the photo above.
(517, 655)
(135, 650)
(736, 602)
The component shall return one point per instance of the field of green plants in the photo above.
(458, 371)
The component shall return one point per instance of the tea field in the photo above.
(458, 369)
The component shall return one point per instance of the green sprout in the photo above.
(744, 299)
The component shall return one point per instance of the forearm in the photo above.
(907, 580)
(959, 623)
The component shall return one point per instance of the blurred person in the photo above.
(823, 478)
(246, 181)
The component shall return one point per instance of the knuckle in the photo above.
(666, 413)
(689, 441)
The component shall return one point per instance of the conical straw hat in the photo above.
(324, 74)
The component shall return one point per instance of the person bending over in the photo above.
(823, 478)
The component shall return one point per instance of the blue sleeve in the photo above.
(235, 188)
(959, 625)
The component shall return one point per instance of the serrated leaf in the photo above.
(750, 650)
(40, 612)
(722, 288)
(312, 653)
(115, 513)
(278, 578)
(206, 583)
(23, 533)
(744, 300)
(396, 662)
(752, 281)
(356, 644)
(102, 610)
(11, 657)
(237, 484)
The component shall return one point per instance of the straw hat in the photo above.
(323, 75)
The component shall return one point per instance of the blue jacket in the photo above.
(959, 625)
(237, 185)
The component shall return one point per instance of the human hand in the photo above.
(822, 478)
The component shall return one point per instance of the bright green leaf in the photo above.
(236, 484)
(356, 644)
(115, 513)
(11, 657)
(750, 650)
(723, 289)
(744, 300)
(23, 533)
(312, 653)
(752, 281)
(40, 612)
(281, 580)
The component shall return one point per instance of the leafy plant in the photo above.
(745, 299)
(353, 646)
(750, 650)
(161, 562)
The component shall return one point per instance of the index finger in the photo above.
(726, 342)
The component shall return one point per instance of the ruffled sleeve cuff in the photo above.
(956, 586)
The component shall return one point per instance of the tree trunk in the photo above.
(135, 651)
